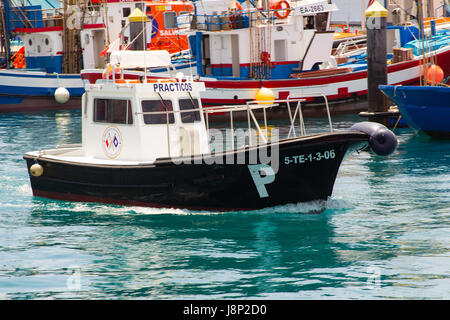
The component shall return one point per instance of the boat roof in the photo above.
(140, 59)
(312, 7)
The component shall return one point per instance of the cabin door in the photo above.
(93, 43)
(236, 69)
(206, 56)
(99, 44)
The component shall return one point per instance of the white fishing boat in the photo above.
(287, 47)
(59, 42)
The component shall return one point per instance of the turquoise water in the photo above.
(383, 235)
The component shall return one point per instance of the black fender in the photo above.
(382, 141)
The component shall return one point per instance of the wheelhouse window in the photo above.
(170, 20)
(126, 12)
(309, 22)
(322, 21)
(159, 107)
(113, 111)
(193, 114)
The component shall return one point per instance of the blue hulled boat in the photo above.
(424, 108)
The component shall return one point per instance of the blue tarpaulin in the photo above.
(33, 14)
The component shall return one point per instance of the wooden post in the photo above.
(376, 16)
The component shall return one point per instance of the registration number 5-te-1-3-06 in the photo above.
(310, 157)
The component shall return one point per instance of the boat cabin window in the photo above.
(322, 21)
(113, 111)
(170, 20)
(309, 22)
(160, 106)
(126, 12)
(191, 115)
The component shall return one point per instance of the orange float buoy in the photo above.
(435, 74)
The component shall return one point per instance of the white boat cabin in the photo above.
(267, 42)
(138, 120)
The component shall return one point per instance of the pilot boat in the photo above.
(148, 142)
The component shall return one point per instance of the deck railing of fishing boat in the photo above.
(237, 19)
(35, 16)
(250, 107)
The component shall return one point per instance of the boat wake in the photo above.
(312, 207)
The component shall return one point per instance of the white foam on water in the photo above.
(105, 209)
(313, 207)
(310, 207)
(25, 190)
(151, 211)
(339, 204)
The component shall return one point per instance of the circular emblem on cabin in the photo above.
(112, 142)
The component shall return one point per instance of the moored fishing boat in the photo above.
(148, 142)
(287, 48)
(59, 42)
(424, 108)
(289, 51)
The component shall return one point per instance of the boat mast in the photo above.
(9, 22)
(423, 76)
(71, 34)
(5, 31)
(363, 18)
(260, 30)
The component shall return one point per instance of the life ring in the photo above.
(286, 9)
(238, 6)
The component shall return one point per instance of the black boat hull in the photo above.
(307, 171)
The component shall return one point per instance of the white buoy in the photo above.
(62, 95)
(36, 170)
(179, 76)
